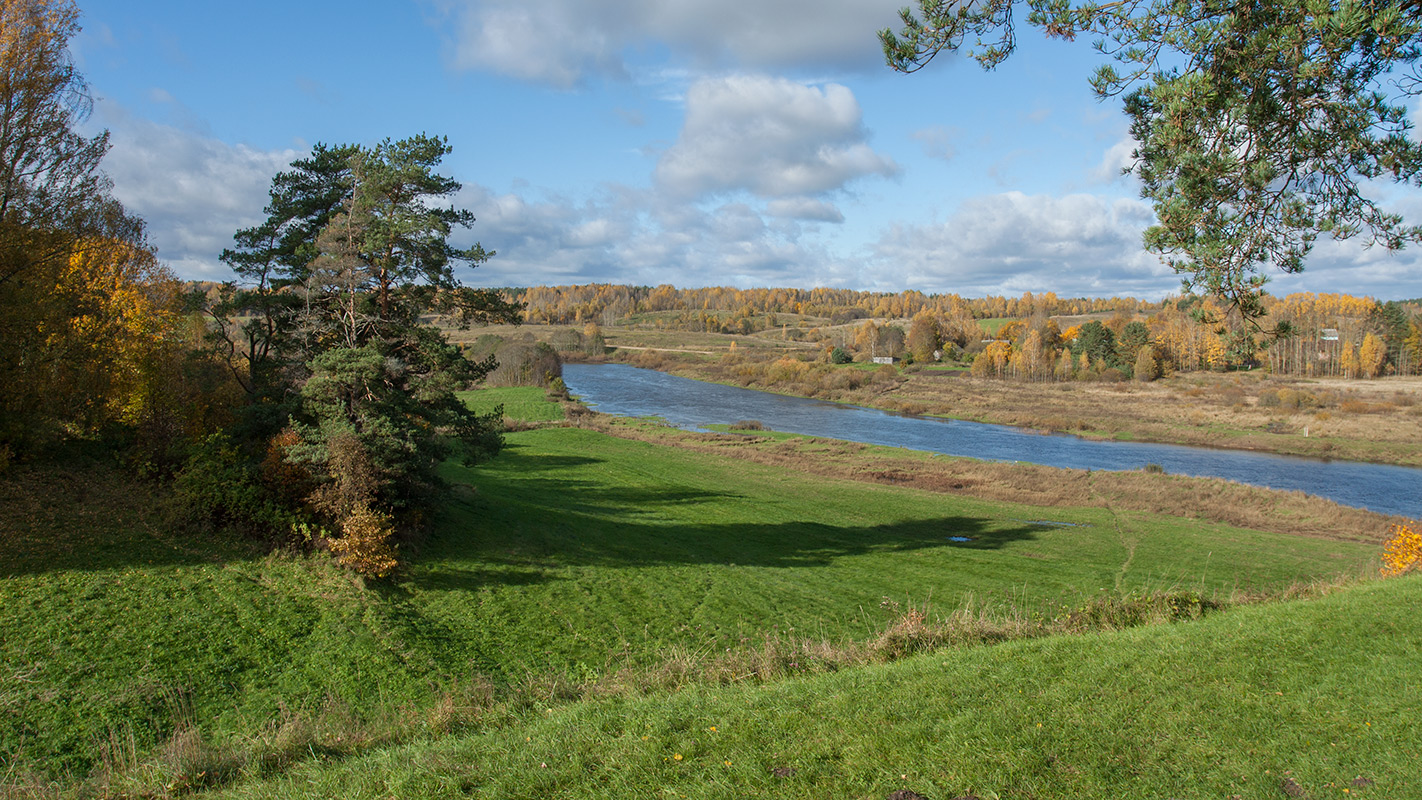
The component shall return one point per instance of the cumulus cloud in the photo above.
(1011, 243)
(563, 42)
(772, 137)
(1115, 161)
(630, 235)
(194, 191)
(804, 208)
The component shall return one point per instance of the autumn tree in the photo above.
(924, 336)
(1032, 361)
(1372, 356)
(1147, 367)
(993, 361)
(87, 306)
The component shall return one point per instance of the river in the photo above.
(631, 391)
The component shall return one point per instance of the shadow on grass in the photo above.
(524, 527)
(525, 459)
(89, 517)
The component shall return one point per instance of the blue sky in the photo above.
(691, 142)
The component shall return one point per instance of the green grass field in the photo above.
(1313, 698)
(526, 403)
(132, 647)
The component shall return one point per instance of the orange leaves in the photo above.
(366, 545)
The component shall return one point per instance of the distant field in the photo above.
(992, 325)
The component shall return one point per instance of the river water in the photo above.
(630, 391)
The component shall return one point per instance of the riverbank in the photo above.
(1371, 421)
(1378, 421)
(1212, 499)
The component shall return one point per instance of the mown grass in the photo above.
(581, 551)
(1299, 699)
(523, 403)
(136, 655)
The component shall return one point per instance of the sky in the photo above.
(748, 143)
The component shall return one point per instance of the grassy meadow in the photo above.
(598, 616)
(1305, 699)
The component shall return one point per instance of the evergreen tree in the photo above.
(355, 249)
(1257, 125)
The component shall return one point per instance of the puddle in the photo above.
(960, 538)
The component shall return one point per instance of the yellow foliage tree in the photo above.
(993, 361)
(90, 332)
(1348, 361)
(1372, 356)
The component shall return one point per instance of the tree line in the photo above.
(725, 306)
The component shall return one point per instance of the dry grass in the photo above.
(1175, 495)
(1377, 421)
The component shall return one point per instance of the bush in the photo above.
(365, 544)
(748, 425)
(840, 356)
(217, 486)
(1403, 551)
(525, 364)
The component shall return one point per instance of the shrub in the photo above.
(216, 485)
(365, 545)
(1269, 399)
(1403, 551)
(840, 356)
(524, 364)
(748, 425)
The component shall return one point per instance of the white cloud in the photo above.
(193, 191)
(563, 42)
(630, 235)
(1010, 243)
(1117, 158)
(804, 208)
(769, 136)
